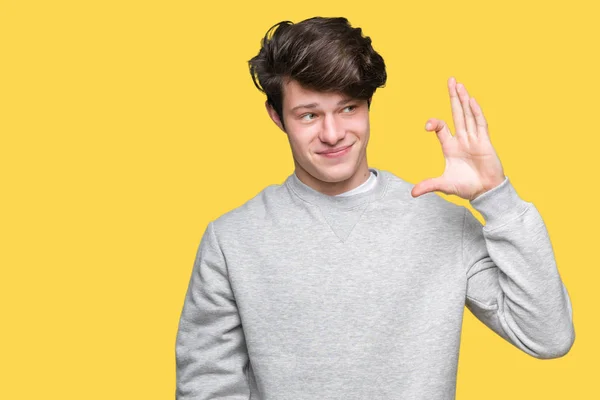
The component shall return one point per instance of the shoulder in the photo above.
(252, 213)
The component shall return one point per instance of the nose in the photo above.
(332, 131)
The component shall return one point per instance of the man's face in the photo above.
(317, 123)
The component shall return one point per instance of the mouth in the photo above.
(337, 152)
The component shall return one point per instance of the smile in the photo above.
(337, 153)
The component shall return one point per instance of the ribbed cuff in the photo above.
(499, 204)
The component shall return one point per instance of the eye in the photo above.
(307, 115)
(352, 108)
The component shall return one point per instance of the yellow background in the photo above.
(126, 126)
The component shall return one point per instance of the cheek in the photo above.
(359, 126)
(299, 141)
(303, 136)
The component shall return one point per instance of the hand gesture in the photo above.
(472, 166)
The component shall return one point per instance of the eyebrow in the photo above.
(314, 105)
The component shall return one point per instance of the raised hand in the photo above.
(472, 166)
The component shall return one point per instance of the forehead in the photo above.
(294, 94)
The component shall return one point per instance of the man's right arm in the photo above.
(211, 354)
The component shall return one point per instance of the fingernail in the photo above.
(428, 126)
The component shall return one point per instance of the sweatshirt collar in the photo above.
(313, 196)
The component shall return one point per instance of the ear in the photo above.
(273, 115)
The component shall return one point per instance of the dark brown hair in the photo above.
(322, 54)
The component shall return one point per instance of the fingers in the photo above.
(432, 185)
(440, 127)
(466, 113)
(464, 100)
(457, 110)
(479, 117)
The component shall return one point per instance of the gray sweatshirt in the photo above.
(299, 295)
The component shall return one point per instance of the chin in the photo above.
(335, 173)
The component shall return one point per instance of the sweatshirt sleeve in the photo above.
(513, 284)
(211, 355)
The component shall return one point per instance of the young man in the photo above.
(345, 281)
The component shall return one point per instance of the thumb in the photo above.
(431, 185)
